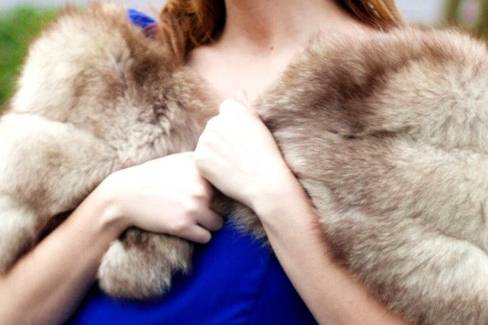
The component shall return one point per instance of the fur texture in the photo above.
(389, 137)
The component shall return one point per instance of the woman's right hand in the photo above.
(166, 196)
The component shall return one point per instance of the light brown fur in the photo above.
(388, 136)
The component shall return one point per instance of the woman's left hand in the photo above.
(238, 155)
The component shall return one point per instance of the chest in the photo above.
(240, 77)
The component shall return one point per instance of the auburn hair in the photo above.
(190, 23)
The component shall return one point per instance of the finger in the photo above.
(208, 189)
(201, 150)
(201, 160)
(197, 234)
(234, 106)
(210, 220)
(210, 123)
(208, 133)
(230, 105)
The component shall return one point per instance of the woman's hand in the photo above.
(166, 196)
(238, 155)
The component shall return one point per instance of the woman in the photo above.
(255, 40)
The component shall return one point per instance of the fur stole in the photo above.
(389, 137)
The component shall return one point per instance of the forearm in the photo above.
(330, 291)
(46, 285)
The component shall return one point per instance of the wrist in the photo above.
(276, 193)
(111, 214)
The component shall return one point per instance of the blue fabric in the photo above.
(234, 280)
(140, 19)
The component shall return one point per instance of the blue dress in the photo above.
(234, 280)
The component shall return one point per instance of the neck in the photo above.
(273, 24)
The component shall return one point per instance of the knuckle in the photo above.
(203, 151)
(182, 224)
(203, 164)
(200, 156)
(201, 191)
(176, 228)
(192, 207)
(199, 195)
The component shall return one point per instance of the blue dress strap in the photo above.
(140, 19)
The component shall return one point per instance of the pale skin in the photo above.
(166, 196)
(259, 40)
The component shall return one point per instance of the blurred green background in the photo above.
(17, 29)
(20, 24)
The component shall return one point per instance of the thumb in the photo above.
(233, 106)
